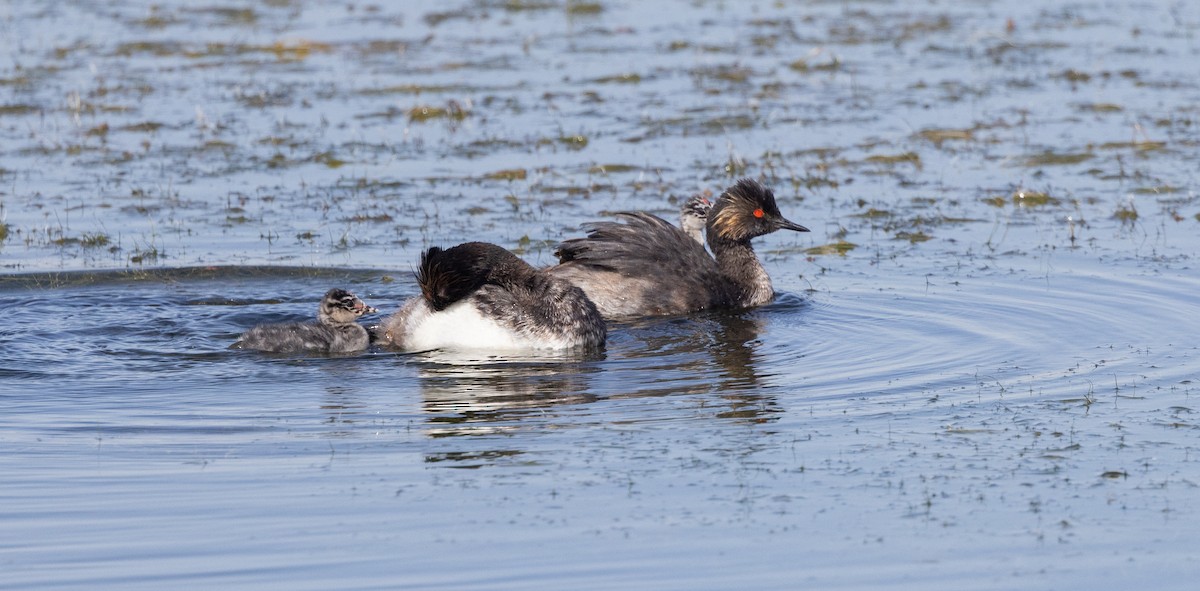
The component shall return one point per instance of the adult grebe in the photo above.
(647, 267)
(480, 296)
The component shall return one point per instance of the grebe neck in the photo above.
(739, 265)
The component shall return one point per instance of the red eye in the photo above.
(758, 213)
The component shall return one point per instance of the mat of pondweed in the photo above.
(980, 372)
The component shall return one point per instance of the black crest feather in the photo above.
(449, 275)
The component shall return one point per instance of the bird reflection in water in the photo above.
(707, 354)
(466, 395)
(713, 360)
(713, 353)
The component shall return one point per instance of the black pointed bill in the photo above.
(786, 225)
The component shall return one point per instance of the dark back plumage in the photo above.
(509, 291)
(642, 265)
(640, 245)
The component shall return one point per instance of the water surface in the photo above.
(978, 374)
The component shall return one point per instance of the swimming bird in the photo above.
(480, 296)
(644, 266)
(335, 331)
(693, 215)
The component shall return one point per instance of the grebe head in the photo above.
(341, 307)
(449, 275)
(693, 215)
(747, 210)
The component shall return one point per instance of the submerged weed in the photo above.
(93, 240)
(612, 168)
(619, 79)
(873, 213)
(1126, 214)
(840, 248)
(1074, 76)
(804, 67)
(1099, 108)
(18, 109)
(574, 142)
(423, 113)
(1141, 146)
(142, 256)
(511, 174)
(581, 8)
(143, 127)
(913, 237)
(1159, 190)
(1033, 199)
(1049, 158)
(328, 159)
(526, 5)
(940, 136)
(906, 157)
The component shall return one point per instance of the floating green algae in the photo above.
(1033, 199)
(840, 248)
(510, 174)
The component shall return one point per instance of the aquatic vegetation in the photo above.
(143, 127)
(287, 129)
(584, 8)
(328, 159)
(512, 174)
(452, 111)
(1050, 158)
(94, 240)
(833, 64)
(376, 218)
(874, 213)
(913, 237)
(1126, 213)
(1159, 190)
(904, 158)
(1023, 198)
(418, 89)
(612, 168)
(992, 185)
(147, 255)
(1140, 146)
(841, 248)
(628, 78)
(940, 136)
(1099, 108)
(1074, 76)
(526, 5)
(17, 109)
(574, 142)
(736, 74)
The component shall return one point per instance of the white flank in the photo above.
(461, 326)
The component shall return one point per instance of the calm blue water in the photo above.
(993, 433)
(980, 373)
